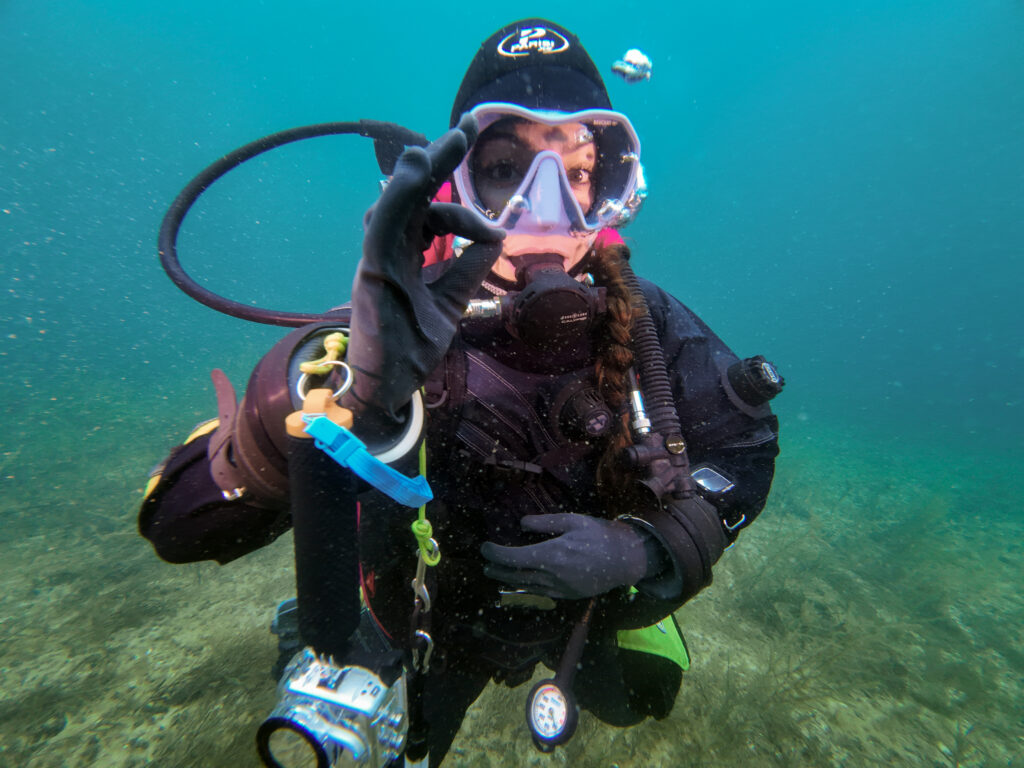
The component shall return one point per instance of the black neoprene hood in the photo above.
(536, 64)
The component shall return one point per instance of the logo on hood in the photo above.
(532, 40)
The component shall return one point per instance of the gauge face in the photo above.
(549, 711)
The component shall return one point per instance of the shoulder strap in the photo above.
(223, 472)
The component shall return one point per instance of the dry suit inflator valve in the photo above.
(755, 380)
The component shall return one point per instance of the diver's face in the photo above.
(501, 160)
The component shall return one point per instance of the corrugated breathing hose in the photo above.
(657, 389)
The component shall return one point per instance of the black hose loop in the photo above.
(386, 136)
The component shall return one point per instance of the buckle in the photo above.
(520, 598)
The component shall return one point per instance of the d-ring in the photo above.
(346, 385)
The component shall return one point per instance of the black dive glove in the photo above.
(590, 557)
(401, 327)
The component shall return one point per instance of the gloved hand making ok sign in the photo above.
(401, 327)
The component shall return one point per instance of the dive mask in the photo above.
(543, 172)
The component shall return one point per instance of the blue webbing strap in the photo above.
(349, 451)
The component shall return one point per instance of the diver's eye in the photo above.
(579, 176)
(502, 172)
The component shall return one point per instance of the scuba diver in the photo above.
(573, 447)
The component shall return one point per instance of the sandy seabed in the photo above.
(871, 616)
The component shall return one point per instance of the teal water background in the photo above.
(835, 185)
(838, 186)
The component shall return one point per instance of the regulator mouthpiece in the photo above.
(553, 309)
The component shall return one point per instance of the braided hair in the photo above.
(614, 359)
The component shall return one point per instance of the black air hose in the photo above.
(697, 530)
(388, 139)
(650, 362)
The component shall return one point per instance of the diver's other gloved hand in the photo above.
(590, 557)
(401, 327)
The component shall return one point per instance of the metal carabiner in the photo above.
(429, 641)
(421, 595)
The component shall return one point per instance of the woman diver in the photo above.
(591, 446)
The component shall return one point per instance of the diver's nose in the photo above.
(545, 195)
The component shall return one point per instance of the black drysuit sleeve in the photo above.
(186, 517)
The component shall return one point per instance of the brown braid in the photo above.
(614, 358)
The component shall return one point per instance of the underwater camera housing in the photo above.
(328, 716)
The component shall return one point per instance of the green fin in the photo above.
(662, 639)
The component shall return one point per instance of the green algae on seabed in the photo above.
(864, 620)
